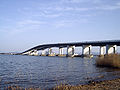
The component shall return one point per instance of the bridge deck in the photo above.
(76, 44)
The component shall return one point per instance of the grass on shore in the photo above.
(112, 60)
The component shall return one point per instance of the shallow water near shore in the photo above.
(47, 72)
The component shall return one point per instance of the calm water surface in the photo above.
(46, 72)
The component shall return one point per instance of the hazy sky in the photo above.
(27, 23)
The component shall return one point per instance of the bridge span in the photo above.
(106, 47)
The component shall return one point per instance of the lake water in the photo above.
(47, 72)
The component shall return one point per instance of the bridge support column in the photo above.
(70, 50)
(102, 50)
(27, 53)
(34, 53)
(31, 53)
(43, 53)
(111, 49)
(86, 49)
(50, 51)
(60, 51)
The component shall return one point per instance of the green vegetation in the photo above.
(112, 60)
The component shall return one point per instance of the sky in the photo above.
(28, 23)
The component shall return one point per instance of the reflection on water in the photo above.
(46, 72)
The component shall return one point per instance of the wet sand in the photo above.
(102, 85)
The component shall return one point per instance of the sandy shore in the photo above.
(103, 85)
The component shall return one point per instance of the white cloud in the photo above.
(68, 23)
(56, 11)
(30, 22)
(118, 3)
(52, 15)
(72, 9)
(81, 1)
(25, 25)
(74, 1)
(108, 7)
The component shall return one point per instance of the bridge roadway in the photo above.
(76, 44)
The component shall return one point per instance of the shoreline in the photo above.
(113, 84)
(97, 85)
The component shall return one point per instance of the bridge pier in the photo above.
(34, 53)
(102, 50)
(70, 50)
(49, 51)
(43, 53)
(86, 50)
(60, 51)
(111, 49)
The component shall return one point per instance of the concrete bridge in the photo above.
(106, 47)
